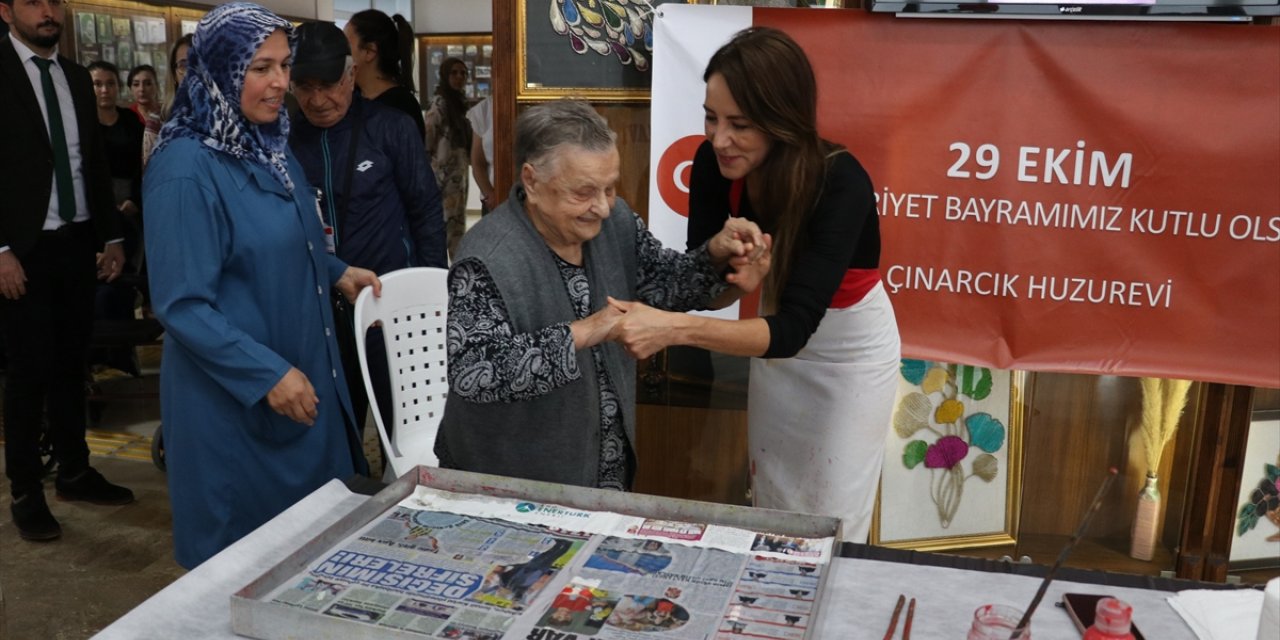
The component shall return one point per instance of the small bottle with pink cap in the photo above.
(1111, 622)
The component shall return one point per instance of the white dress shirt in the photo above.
(70, 129)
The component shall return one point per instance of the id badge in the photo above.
(329, 244)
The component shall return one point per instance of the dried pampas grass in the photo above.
(1162, 405)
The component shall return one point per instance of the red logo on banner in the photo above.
(673, 173)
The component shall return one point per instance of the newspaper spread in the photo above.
(447, 565)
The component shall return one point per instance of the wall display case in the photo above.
(475, 50)
(128, 34)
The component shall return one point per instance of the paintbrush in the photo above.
(1062, 556)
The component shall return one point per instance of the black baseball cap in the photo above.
(322, 53)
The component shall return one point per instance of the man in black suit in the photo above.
(57, 213)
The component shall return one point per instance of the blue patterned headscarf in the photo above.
(207, 106)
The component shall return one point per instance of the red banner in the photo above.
(1064, 196)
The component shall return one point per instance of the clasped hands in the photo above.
(293, 396)
(642, 330)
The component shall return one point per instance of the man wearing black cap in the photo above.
(377, 194)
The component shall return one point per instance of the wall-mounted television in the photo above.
(1204, 10)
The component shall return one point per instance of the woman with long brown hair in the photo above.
(449, 145)
(826, 351)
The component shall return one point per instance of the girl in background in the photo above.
(449, 145)
(123, 134)
(382, 48)
(177, 67)
(147, 106)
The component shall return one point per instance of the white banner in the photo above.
(684, 39)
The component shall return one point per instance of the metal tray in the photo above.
(254, 617)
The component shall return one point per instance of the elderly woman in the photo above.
(536, 391)
(255, 411)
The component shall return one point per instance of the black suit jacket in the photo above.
(26, 157)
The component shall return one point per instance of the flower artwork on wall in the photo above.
(962, 441)
(952, 460)
(1263, 504)
(1256, 543)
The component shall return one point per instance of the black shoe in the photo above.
(91, 487)
(32, 517)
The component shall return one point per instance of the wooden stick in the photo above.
(1025, 622)
(893, 622)
(911, 614)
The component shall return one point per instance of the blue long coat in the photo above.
(241, 282)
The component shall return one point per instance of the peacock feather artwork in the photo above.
(622, 28)
(1263, 504)
(943, 437)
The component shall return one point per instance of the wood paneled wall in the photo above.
(694, 453)
(1077, 427)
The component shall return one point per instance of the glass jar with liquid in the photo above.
(996, 622)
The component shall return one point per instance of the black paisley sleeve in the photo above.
(673, 280)
(489, 363)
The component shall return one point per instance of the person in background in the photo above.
(177, 68)
(146, 105)
(481, 119)
(449, 143)
(535, 390)
(252, 397)
(829, 340)
(382, 48)
(58, 214)
(377, 193)
(123, 135)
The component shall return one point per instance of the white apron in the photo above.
(817, 422)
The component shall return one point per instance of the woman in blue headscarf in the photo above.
(255, 411)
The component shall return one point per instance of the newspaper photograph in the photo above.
(633, 588)
(434, 573)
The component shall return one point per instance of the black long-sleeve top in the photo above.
(124, 151)
(842, 232)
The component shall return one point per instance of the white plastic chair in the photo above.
(412, 311)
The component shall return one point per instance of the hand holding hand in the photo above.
(13, 280)
(354, 280)
(748, 273)
(294, 398)
(111, 261)
(595, 328)
(643, 330)
(739, 238)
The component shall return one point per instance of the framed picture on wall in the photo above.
(592, 50)
(952, 475)
(88, 29)
(104, 28)
(1256, 540)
